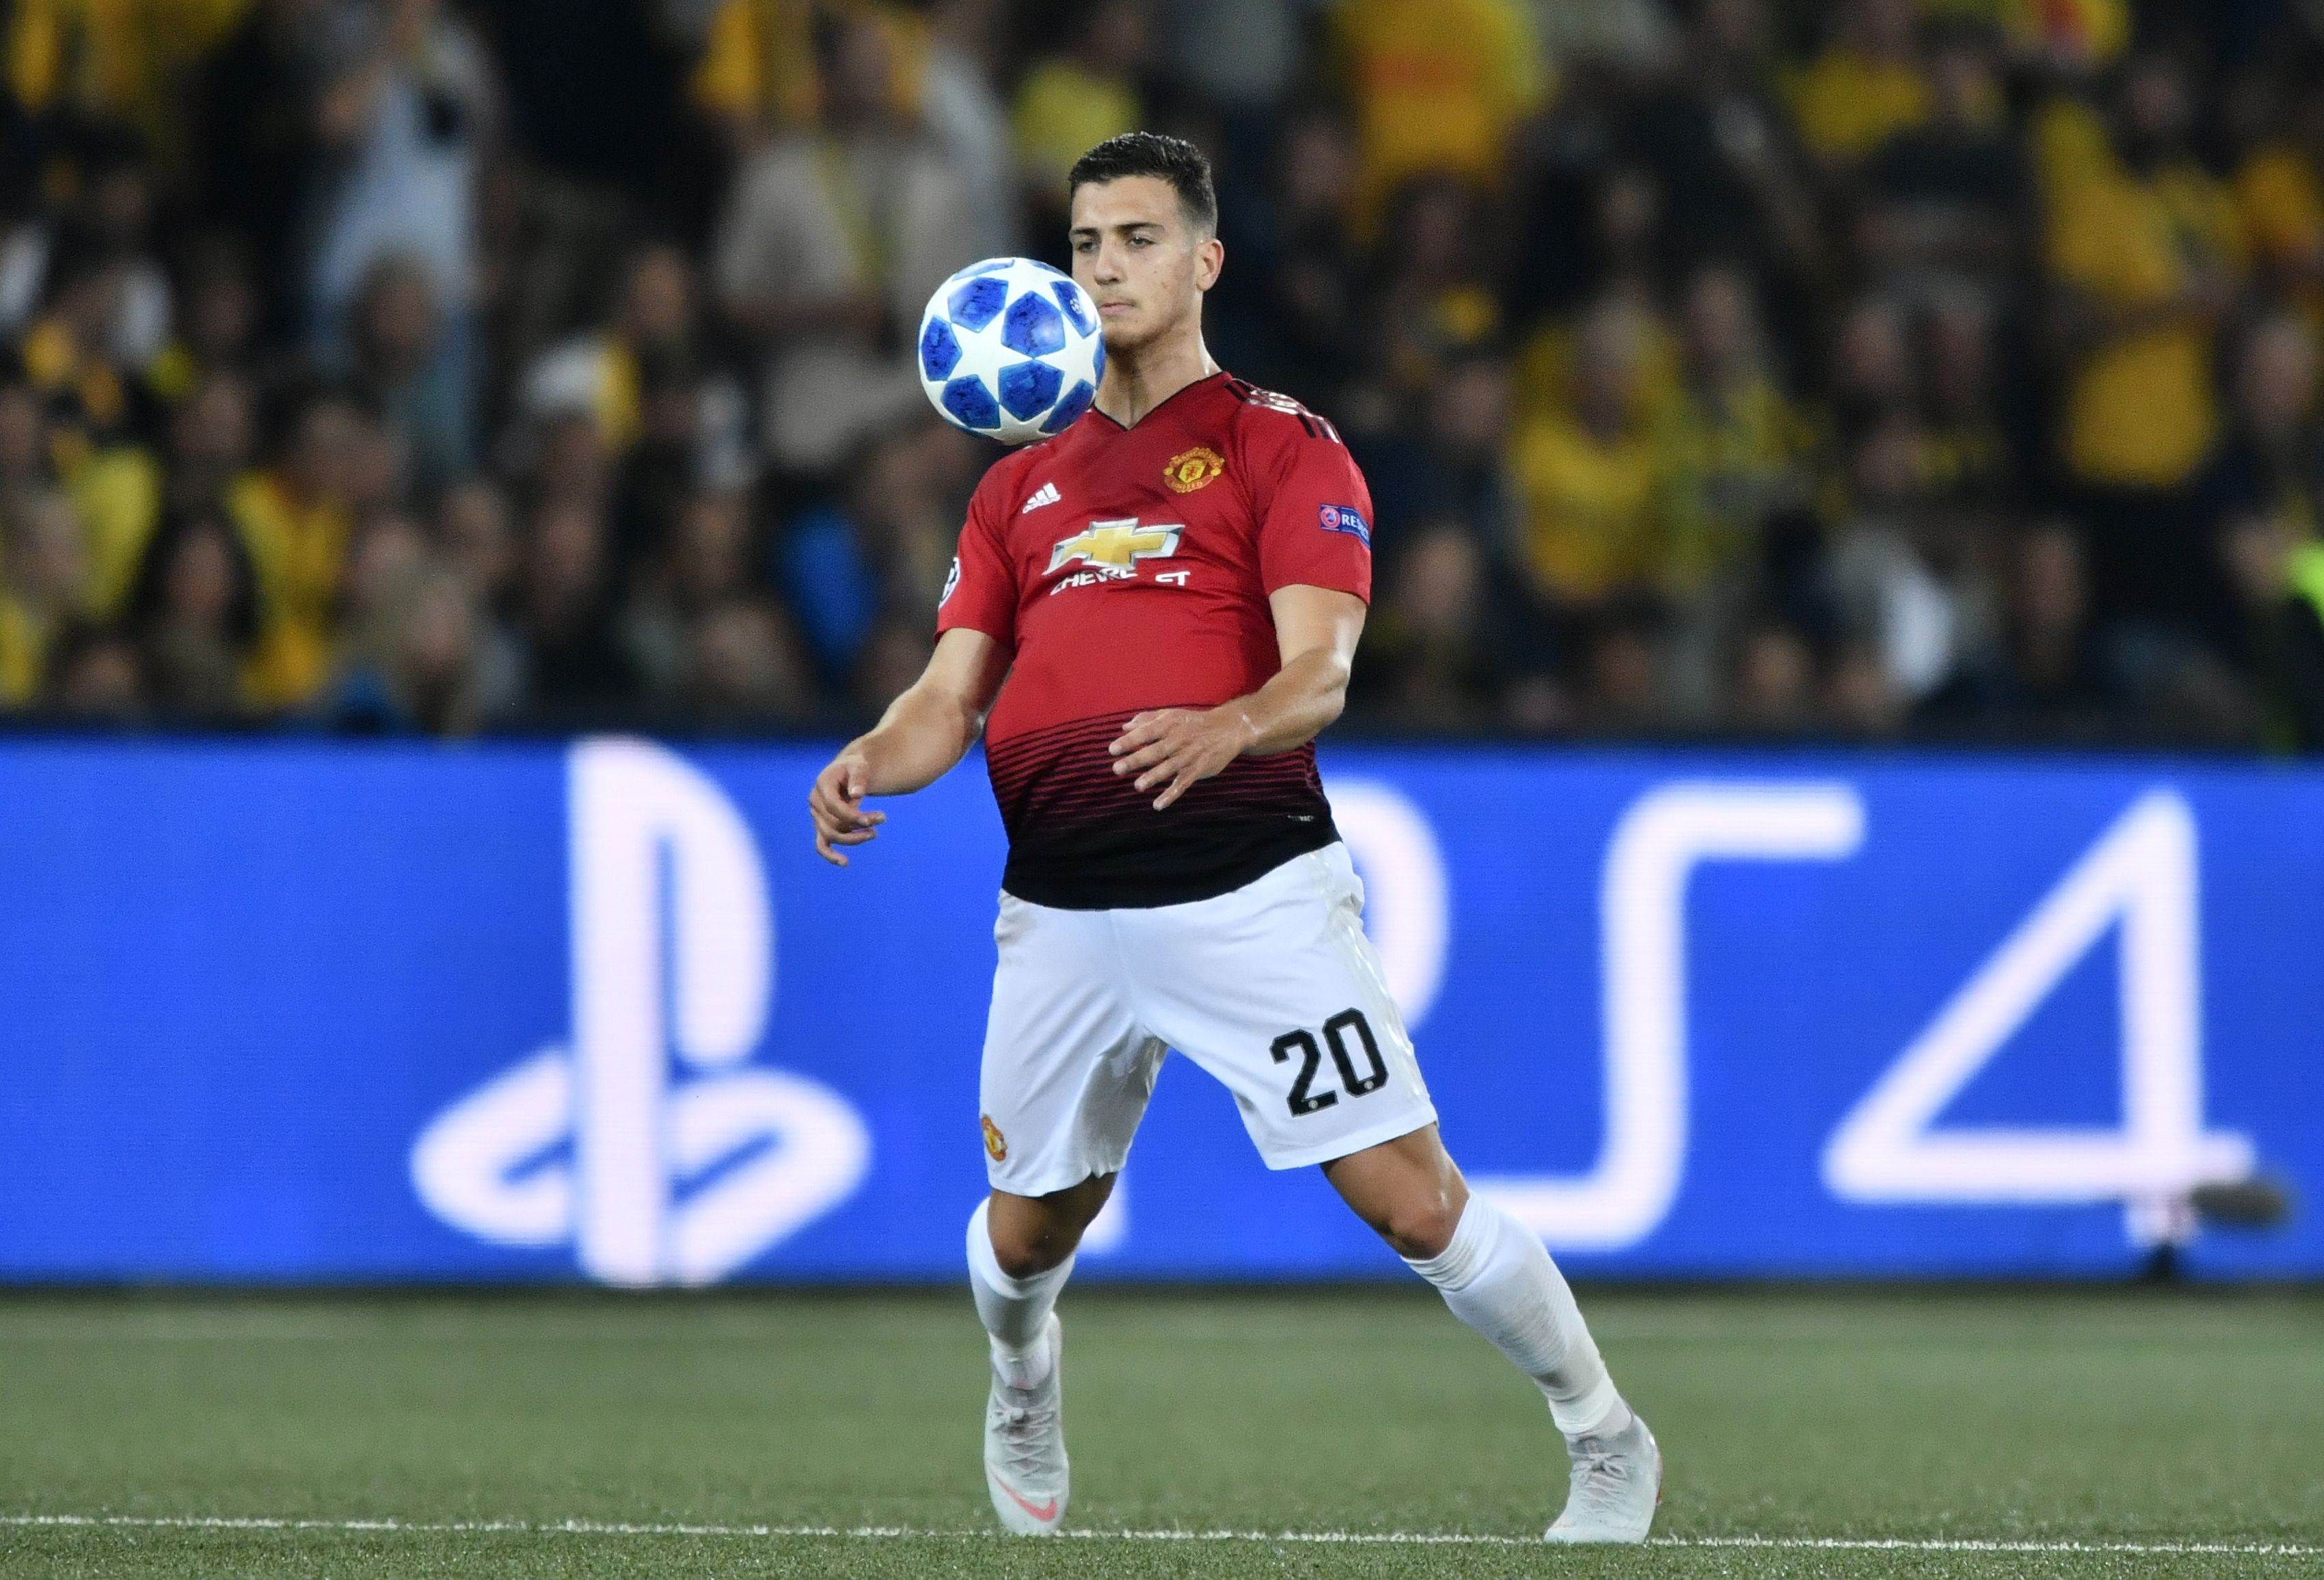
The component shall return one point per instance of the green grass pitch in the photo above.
(2093, 1433)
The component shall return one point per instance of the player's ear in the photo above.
(1210, 257)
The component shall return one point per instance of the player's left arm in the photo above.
(1176, 748)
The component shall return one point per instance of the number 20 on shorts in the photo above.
(1304, 1098)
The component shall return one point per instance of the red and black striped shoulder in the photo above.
(1250, 394)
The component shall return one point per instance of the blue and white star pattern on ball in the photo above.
(1010, 349)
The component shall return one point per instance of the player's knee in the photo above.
(1030, 1235)
(1029, 1252)
(1419, 1224)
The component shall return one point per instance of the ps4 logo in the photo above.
(653, 1145)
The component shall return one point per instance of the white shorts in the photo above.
(1273, 989)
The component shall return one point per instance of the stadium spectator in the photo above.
(595, 371)
(1070, 102)
(41, 582)
(1734, 446)
(1897, 612)
(1871, 372)
(196, 614)
(1432, 299)
(1947, 198)
(1623, 674)
(1727, 170)
(962, 107)
(211, 437)
(574, 659)
(475, 540)
(757, 72)
(1454, 468)
(2271, 459)
(1865, 87)
(398, 331)
(2047, 672)
(27, 460)
(1708, 356)
(218, 327)
(705, 565)
(743, 670)
(259, 153)
(417, 663)
(93, 679)
(1970, 458)
(1240, 56)
(293, 519)
(108, 219)
(1774, 678)
(878, 553)
(1429, 660)
(1592, 480)
(1294, 317)
(1437, 87)
(2145, 249)
(830, 244)
(2279, 191)
(406, 112)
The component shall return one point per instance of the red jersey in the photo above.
(1128, 569)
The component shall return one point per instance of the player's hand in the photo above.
(836, 805)
(1179, 747)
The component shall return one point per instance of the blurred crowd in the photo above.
(1728, 368)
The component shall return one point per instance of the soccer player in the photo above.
(1172, 589)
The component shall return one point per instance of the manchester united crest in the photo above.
(1192, 469)
(995, 1143)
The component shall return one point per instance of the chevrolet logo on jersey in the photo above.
(1116, 545)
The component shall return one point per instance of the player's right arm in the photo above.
(923, 733)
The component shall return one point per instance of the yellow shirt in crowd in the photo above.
(1541, 377)
(2281, 202)
(117, 494)
(121, 59)
(1438, 85)
(1594, 515)
(1728, 464)
(1848, 104)
(297, 549)
(23, 651)
(2282, 205)
(2141, 410)
(1062, 111)
(758, 61)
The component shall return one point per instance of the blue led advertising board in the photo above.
(301, 1012)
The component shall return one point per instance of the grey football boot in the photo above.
(1025, 1466)
(1616, 1482)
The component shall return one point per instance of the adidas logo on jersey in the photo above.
(1046, 495)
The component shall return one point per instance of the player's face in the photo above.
(1141, 262)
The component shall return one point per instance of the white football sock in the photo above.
(1015, 1311)
(1498, 1278)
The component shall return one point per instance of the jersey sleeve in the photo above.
(1314, 513)
(980, 591)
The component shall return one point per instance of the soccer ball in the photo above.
(1010, 349)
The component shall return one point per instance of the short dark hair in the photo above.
(1151, 153)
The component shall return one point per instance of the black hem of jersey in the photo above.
(1071, 892)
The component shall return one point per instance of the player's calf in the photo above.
(1497, 1277)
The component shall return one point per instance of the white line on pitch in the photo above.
(1323, 1538)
